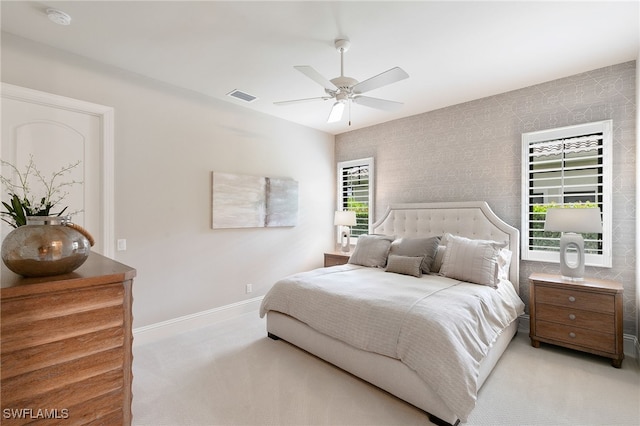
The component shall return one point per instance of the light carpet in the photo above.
(233, 374)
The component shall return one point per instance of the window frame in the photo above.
(341, 165)
(604, 127)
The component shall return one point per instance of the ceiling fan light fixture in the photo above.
(336, 112)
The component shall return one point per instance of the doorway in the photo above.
(55, 132)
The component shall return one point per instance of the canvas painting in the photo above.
(244, 201)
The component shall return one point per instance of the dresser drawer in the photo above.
(576, 336)
(31, 334)
(576, 299)
(38, 357)
(596, 321)
(69, 378)
(58, 304)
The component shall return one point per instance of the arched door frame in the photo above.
(106, 116)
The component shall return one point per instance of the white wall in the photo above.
(167, 142)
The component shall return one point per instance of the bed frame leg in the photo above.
(273, 336)
(439, 422)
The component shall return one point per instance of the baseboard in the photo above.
(636, 345)
(172, 327)
(632, 348)
(631, 344)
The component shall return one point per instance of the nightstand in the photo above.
(336, 258)
(582, 315)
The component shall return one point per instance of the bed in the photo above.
(419, 327)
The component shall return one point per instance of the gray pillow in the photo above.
(371, 250)
(437, 262)
(417, 247)
(406, 265)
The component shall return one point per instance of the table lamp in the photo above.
(571, 222)
(345, 219)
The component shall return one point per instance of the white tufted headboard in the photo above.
(471, 219)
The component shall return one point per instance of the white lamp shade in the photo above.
(344, 218)
(580, 220)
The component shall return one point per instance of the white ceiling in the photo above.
(453, 51)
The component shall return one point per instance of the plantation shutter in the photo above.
(566, 167)
(355, 192)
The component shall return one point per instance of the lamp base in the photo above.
(572, 256)
(576, 279)
(345, 243)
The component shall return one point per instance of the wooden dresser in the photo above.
(66, 345)
(583, 315)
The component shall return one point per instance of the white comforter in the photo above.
(439, 327)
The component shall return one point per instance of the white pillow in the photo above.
(474, 261)
(504, 262)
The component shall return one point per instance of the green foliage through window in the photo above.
(550, 241)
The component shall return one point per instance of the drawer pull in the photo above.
(572, 317)
(572, 299)
(572, 335)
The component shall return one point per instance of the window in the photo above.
(355, 192)
(568, 166)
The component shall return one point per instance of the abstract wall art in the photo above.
(244, 201)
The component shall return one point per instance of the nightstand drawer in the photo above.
(596, 321)
(576, 336)
(576, 299)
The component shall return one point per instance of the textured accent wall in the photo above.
(472, 151)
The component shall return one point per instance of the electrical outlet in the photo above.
(249, 288)
(122, 245)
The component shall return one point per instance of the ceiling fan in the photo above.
(345, 90)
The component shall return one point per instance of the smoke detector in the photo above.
(58, 16)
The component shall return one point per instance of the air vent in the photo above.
(242, 96)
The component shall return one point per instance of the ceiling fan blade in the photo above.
(316, 76)
(336, 112)
(387, 77)
(382, 104)
(296, 101)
